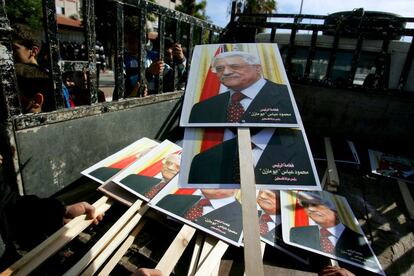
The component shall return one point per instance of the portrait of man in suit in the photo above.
(280, 157)
(249, 99)
(215, 209)
(326, 233)
(150, 186)
(106, 172)
(268, 202)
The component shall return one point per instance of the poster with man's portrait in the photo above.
(232, 85)
(270, 224)
(113, 164)
(214, 211)
(281, 159)
(324, 223)
(393, 166)
(149, 175)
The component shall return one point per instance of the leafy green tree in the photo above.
(260, 6)
(28, 12)
(195, 9)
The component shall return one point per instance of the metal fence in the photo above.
(188, 28)
(344, 41)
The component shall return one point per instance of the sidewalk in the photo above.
(107, 84)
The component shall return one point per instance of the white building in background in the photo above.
(69, 14)
(68, 8)
(168, 3)
(71, 8)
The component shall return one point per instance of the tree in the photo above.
(195, 9)
(28, 12)
(260, 6)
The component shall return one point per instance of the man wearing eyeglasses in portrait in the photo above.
(327, 233)
(151, 186)
(249, 99)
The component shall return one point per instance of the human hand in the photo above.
(1, 159)
(335, 271)
(156, 67)
(177, 52)
(147, 272)
(80, 208)
(145, 91)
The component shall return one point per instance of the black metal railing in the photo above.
(121, 10)
(358, 26)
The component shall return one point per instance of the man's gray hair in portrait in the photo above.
(312, 198)
(247, 57)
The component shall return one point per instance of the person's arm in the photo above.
(154, 69)
(335, 271)
(147, 272)
(178, 54)
(80, 208)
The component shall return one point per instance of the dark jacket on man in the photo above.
(26, 220)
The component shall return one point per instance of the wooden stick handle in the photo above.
(102, 243)
(176, 249)
(106, 270)
(408, 199)
(252, 253)
(196, 254)
(333, 178)
(114, 243)
(213, 259)
(60, 238)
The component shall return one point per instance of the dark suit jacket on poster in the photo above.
(104, 173)
(271, 96)
(350, 245)
(230, 214)
(216, 165)
(140, 183)
(274, 235)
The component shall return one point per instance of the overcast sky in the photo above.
(218, 9)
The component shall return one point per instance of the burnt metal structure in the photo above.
(144, 10)
(15, 126)
(138, 8)
(358, 24)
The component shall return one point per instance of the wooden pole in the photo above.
(208, 245)
(106, 270)
(60, 238)
(333, 178)
(210, 263)
(324, 178)
(114, 243)
(196, 254)
(102, 243)
(176, 249)
(262, 248)
(408, 200)
(252, 252)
